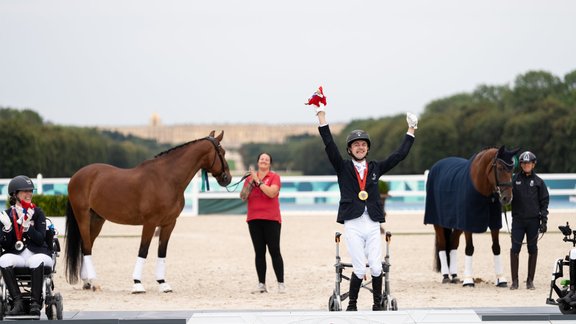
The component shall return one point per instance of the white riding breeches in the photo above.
(26, 259)
(364, 243)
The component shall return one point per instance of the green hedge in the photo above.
(52, 205)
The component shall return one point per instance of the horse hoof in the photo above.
(446, 280)
(455, 280)
(138, 288)
(91, 286)
(471, 285)
(165, 288)
(502, 284)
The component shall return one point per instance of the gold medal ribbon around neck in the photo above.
(362, 195)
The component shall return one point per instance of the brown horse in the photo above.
(466, 196)
(150, 194)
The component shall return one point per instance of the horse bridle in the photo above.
(499, 184)
(222, 177)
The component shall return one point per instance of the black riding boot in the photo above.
(377, 293)
(355, 284)
(36, 292)
(18, 307)
(514, 260)
(532, 258)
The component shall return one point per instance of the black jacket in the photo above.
(350, 205)
(34, 239)
(530, 197)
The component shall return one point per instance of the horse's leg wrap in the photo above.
(453, 262)
(161, 275)
(87, 271)
(498, 268)
(138, 288)
(443, 262)
(468, 279)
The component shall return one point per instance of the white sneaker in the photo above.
(261, 289)
(281, 288)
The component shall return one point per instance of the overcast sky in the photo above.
(117, 62)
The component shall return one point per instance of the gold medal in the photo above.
(362, 195)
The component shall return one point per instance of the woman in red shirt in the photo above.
(261, 190)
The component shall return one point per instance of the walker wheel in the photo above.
(384, 303)
(394, 305)
(566, 309)
(333, 304)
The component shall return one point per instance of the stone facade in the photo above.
(234, 134)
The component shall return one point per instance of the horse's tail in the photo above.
(73, 246)
(447, 236)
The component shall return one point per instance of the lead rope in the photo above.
(235, 185)
(205, 182)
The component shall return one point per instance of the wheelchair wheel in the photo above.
(50, 310)
(393, 305)
(334, 303)
(3, 308)
(59, 306)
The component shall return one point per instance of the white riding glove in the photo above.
(5, 220)
(412, 120)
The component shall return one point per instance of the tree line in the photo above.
(31, 146)
(536, 113)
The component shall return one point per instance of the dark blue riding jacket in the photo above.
(34, 239)
(350, 205)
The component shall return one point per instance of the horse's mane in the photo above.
(175, 148)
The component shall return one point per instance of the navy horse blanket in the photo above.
(453, 202)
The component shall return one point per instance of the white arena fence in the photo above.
(317, 194)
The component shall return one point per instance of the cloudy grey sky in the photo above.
(116, 62)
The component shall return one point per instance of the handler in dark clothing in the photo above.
(360, 208)
(529, 215)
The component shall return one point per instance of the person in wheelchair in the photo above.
(23, 241)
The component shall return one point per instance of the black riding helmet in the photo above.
(527, 157)
(20, 183)
(357, 134)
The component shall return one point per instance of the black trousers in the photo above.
(528, 228)
(266, 233)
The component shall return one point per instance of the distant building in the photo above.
(235, 135)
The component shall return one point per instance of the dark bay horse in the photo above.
(150, 194)
(466, 196)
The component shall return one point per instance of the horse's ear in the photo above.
(212, 134)
(221, 136)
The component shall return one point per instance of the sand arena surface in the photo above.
(210, 266)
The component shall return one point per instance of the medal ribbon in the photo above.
(361, 182)
(17, 229)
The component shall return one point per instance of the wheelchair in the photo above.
(53, 305)
(335, 301)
